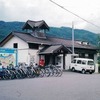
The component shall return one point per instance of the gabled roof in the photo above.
(54, 49)
(27, 37)
(35, 24)
(68, 43)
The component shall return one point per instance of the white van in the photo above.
(82, 64)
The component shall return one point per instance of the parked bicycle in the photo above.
(54, 70)
(23, 71)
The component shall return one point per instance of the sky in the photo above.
(53, 15)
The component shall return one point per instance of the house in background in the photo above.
(34, 44)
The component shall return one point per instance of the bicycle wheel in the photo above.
(47, 72)
(60, 72)
(51, 72)
(41, 73)
(55, 72)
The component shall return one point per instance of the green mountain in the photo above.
(62, 32)
(8, 27)
(80, 34)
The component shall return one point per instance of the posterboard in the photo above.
(8, 57)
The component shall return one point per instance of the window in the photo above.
(15, 45)
(78, 61)
(74, 61)
(84, 62)
(86, 55)
(90, 63)
(33, 46)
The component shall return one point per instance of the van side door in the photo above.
(78, 65)
(73, 63)
(84, 64)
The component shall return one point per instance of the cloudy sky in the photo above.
(22, 10)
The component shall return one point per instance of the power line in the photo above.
(74, 14)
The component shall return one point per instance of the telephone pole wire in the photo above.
(74, 14)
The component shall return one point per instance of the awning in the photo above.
(55, 49)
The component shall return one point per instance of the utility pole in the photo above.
(73, 38)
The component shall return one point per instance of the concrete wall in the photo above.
(33, 56)
(96, 63)
(22, 48)
(21, 44)
(24, 53)
(67, 61)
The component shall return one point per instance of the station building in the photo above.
(33, 44)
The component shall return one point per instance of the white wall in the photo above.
(24, 53)
(67, 61)
(21, 44)
(22, 48)
(96, 63)
(59, 60)
(33, 56)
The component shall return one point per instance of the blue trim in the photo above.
(7, 50)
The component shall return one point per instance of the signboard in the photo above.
(8, 57)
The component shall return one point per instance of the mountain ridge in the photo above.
(59, 32)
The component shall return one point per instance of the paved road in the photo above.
(71, 86)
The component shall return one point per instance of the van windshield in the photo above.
(90, 63)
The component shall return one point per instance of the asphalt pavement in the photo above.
(70, 86)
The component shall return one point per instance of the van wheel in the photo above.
(83, 71)
(90, 72)
(73, 69)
